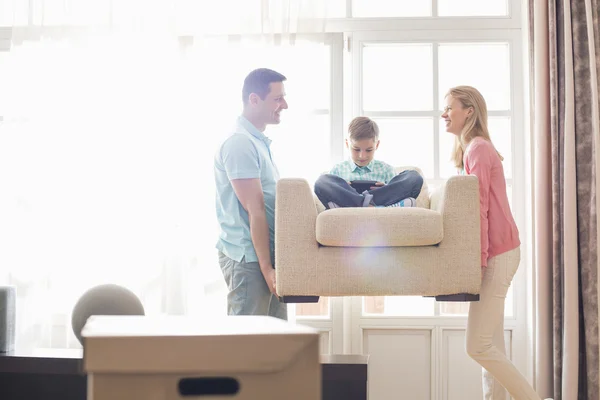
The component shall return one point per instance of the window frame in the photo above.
(345, 35)
(520, 305)
(346, 313)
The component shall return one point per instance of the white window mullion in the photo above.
(514, 10)
(436, 106)
(421, 24)
(436, 139)
(522, 289)
(357, 81)
(336, 137)
(429, 113)
(400, 114)
(339, 334)
(434, 8)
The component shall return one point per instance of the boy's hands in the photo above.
(377, 185)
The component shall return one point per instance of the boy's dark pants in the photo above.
(335, 189)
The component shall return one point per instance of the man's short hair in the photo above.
(258, 82)
(363, 128)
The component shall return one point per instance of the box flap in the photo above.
(232, 344)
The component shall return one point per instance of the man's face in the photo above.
(270, 108)
(362, 151)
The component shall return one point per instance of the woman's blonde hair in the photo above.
(476, 124)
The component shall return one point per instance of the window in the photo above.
(109, 148)
(175, 106)
(301, 145)
(442, 8)
(113, 142)
(403, 88)
(384, 8)
(472, 8)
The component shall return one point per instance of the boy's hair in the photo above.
(363, 128)
(258, 82)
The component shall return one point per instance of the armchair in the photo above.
(429, 250)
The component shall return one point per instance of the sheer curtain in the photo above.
(111, 113)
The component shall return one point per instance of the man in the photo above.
(245, 177)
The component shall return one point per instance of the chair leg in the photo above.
(299, 299)
(464, 297)
(459, 297)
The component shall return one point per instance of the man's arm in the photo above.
(249, 193)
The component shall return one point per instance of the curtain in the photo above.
(111, 113)
(565, 61)
(179, 17)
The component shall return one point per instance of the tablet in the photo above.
(362, 185)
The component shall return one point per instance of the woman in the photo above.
(465, 114)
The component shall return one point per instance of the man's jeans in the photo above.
(335, 189)
(248, 291)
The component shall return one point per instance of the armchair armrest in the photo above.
(296, 244)
(458, 202)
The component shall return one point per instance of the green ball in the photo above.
(107, 299)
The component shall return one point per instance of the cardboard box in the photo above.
(168, 358)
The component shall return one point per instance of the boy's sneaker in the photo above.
(408, 202)
(368, 198)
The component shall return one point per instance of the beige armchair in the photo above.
(429, 250)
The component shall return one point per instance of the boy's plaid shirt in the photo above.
(374, 171)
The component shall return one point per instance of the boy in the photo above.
(391, 190)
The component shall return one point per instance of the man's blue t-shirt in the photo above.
(245, 154)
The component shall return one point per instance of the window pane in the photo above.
(4, 76)
(403, 306)
(397, 77)
(165, 213)
(291, 62)
(461, 309)
(508, 304)
(470, 8)
(336, 8)
(455, 309)
(446, 141)
(387, 8)
(451, 309)
(13, 13)
(500, 133)
(406, 141)
(297, 162)
(307, 86)
(485, 66)
(307, 310)
(80, 13)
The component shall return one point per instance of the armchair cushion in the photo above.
(379, 227)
